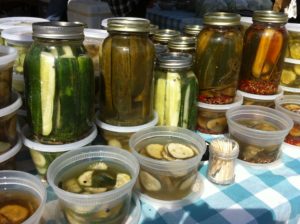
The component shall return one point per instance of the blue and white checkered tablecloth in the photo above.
(259, 195)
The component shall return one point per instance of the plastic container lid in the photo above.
(127, 129)
(262, 97)
(11, 152)
(9, 55)
(288, 99)
(10, 22)
(95, 33)
(290, 89)
(23, 33)
(17, 103)
(57, 148)
(294, 27)
(292, 61)
(238, 100)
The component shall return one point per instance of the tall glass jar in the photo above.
(59, 83)
(182, 44)
(176, 89)
(126, 93)
(164, 35)
(218, 57)
(265, 43)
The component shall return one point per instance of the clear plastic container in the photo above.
(290, 76)
(162, 179)
(7, 159)
(8, 56)
(111, 206)
(8, 124)
(19, 38)
(118, 136)
(261, 137)
(290, 90)
(43, 155)
(25, 184)
(293, 49)
(290, 105)
(260, 100)
(211, 117)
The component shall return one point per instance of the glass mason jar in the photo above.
(176, 89)
(192, 30)
(164, 35)
(265, 43)
(153, 29)
(126, 93)
(218, 57)
(182, 44)
(59, 83)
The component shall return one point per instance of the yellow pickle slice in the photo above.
(180, 151)
(149, 182)
(155, 150)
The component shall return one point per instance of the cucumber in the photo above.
(38, 158)
(160, 98)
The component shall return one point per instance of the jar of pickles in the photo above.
(182, 44)
(192, 30)
(176, 89)
(218, 57)
(164, 35)
(265, 43)
(126, 93)
(59, 83)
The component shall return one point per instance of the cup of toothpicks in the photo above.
(222, 158)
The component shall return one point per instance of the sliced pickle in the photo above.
(98, 166)
(95, 190)
(265, 126)
(73, 218)
(109, 212)
(180, 151)
(251, 151)
(185, 184)
(72, 185)
(38, 158)
(114, 142)
(217, 124)
(166, 156)
(295, 132)
(122, 179)
(287, 77)
(202, 122)
(149, 182)
(4, 146)
(292, 107)
(14, 213)
(86, 179)
(155, 150)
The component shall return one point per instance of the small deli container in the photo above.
(118, 136)
(8, 124)
(8, 56)
(293, 49)
(260, 100)
(259, 131)
(27, 191)
(290, 105)
(7, 159)
(43, 155)
(290, 76)
(162, 176)
(212, 118)
(19, 38)
(105, 207)
(290, 90)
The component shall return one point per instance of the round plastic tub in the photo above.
(8, 56)
(290, 91)
(7, 159)
(260, 100)
(109, 207)
(8, 124)
(163, 179)
(259, 131)
(211, 117)
(43, 155)
(293, 49)
(290, 105)
(28, 188)
(119, 136)
(19, 38)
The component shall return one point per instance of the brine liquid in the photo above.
(258, 124)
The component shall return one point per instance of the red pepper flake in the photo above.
(292, 140)
(260, 87)
(215, 99)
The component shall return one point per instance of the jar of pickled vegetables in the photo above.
(192, 30)
(176, 89)
(265, 43)
(153, 29)
(126, 93)
(182, 44)
(218, 57)
(164, 35)
(59, 83)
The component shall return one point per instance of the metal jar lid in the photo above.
(182, 43)
(222, 19)
(128, 24)
(174, 60)
(58, 30)
(269, 16)
(159, 48)
(153, 28)
(165, 35)
(192, 29)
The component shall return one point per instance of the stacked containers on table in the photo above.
(59, 84)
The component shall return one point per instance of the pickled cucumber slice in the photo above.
(188, 182)
(41, 170)
(95, 190)
(202, 122)
(122, 179)
(295, 132)
(86, 179)
(180, 151)
(74, 219)
(98, 166)
(295, 50)
(292, 107)
(14, 213)
(166, 156)
(149, 182)
(4, 146)
(217, 124)
(38, 158)
(109, 212)
(114, 142)
(297, 69)
(47, 81)
(287, 76)
(160, 94)
(72, 185)
(155, 150)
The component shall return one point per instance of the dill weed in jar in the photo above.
(217, 59)
(265, 43)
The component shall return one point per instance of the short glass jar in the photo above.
(192, 30)
(163, 36)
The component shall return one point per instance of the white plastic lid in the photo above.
(292, 61)
(238, 100)
(262, 97)
(23, 33)
(290, 89)
(17, 103)
(294, 27)
(11, 152)
(246, 19)
(10, 22)
(127, 129)
(95, 33)
(57, 148)
(9, 55)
